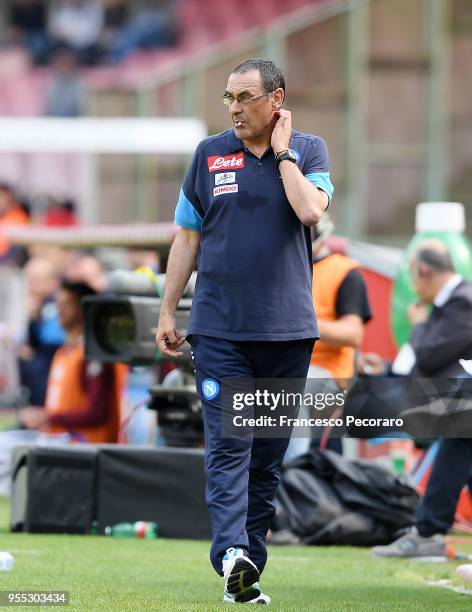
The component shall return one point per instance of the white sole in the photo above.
(240, 579)
(261, 599)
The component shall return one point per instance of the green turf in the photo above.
(120, 575)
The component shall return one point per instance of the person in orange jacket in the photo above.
(83, 396)
(11, 214)
(342, 309)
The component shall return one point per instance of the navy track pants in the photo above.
(242, 474)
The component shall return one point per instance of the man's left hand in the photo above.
(418, 313)
(32, 417)
(280, 140)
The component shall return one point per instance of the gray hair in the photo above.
(439, 260)
(272, 76)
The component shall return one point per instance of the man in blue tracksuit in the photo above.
(245, 211)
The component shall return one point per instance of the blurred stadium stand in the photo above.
(22, 87)
(385, 82)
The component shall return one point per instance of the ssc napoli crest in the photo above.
(210, 388)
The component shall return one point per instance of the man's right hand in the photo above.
(182, 259)
(168, 339)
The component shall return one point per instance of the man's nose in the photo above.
(235, 106)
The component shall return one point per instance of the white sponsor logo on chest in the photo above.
(222, 178)
(225, 189)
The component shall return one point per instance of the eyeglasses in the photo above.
(244, 100)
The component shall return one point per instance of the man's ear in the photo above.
(278, 98)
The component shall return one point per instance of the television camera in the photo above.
(120, 326)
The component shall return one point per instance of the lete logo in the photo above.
(233, 162)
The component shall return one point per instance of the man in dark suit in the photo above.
(440, 345)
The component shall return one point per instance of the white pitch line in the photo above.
(291, 559)
(25, 552)
(447, 584)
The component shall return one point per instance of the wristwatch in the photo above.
(287, 154)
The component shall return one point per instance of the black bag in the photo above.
(324, 498)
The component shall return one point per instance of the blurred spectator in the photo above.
(152, 24)
(60, 214)
(77, 24)
(65, 95)
(27, 23)
(91, 28)
(44, 333)
(115, 17)
(115, 13)
(57, 256)
(11, 214)
(83, 397)
(342, 309)
(440, 339)
(144, 258)
(87, 269)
